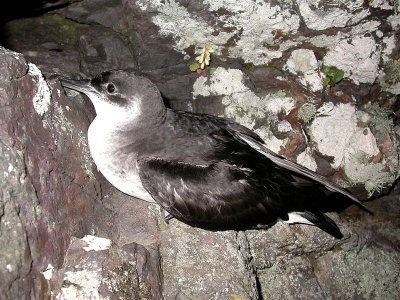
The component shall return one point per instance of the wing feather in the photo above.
(217, 196)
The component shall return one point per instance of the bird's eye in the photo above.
(110, 88)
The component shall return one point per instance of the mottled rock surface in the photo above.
(318, 80)
(51, 192)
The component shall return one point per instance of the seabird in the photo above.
(205, 171)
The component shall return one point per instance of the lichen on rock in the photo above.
(358, 57)
(336, 134)
(302, 62)
(319, 15)
(41, 100)
(242, 19)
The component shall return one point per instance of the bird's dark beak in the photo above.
(82, 86)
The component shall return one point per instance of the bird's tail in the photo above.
(315, 218)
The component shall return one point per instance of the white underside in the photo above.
(120, 171)
(295, 218)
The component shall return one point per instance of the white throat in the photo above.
(119, 168)
(112, 113)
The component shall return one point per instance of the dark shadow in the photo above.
(166, 101)
(20, 9)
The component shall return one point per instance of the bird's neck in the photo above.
(108, 136)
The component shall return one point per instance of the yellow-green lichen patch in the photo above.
(307, 112)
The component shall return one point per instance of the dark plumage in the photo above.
(206, 171)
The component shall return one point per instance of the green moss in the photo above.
(194, 67)
(250, 67)
(333, 76)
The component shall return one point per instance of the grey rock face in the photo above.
(95, 269)
(266, 72)
(308, 265)
(200, 265)
(38, 177)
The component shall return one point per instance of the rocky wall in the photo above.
(318, 80)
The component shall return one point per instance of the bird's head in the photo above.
(121, 96)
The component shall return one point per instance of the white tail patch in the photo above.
(295, 217)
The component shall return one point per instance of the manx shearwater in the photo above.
(205, 171)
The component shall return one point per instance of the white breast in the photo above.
(118, 168)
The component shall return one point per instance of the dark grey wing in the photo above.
(236, 133)
(216, 196)
(221, 197)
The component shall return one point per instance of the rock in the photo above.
(51, 193)
(102, 49)
(135, 221)
(304, 63)
(94, 268)
(320, 16)
(49, 190)
(319, 82)
(285, 260)
(55, 50)
(200, 265)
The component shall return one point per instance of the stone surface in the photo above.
(310, 264)
(266, 73)
(49, 190)
(200, 265)
(95, 269)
